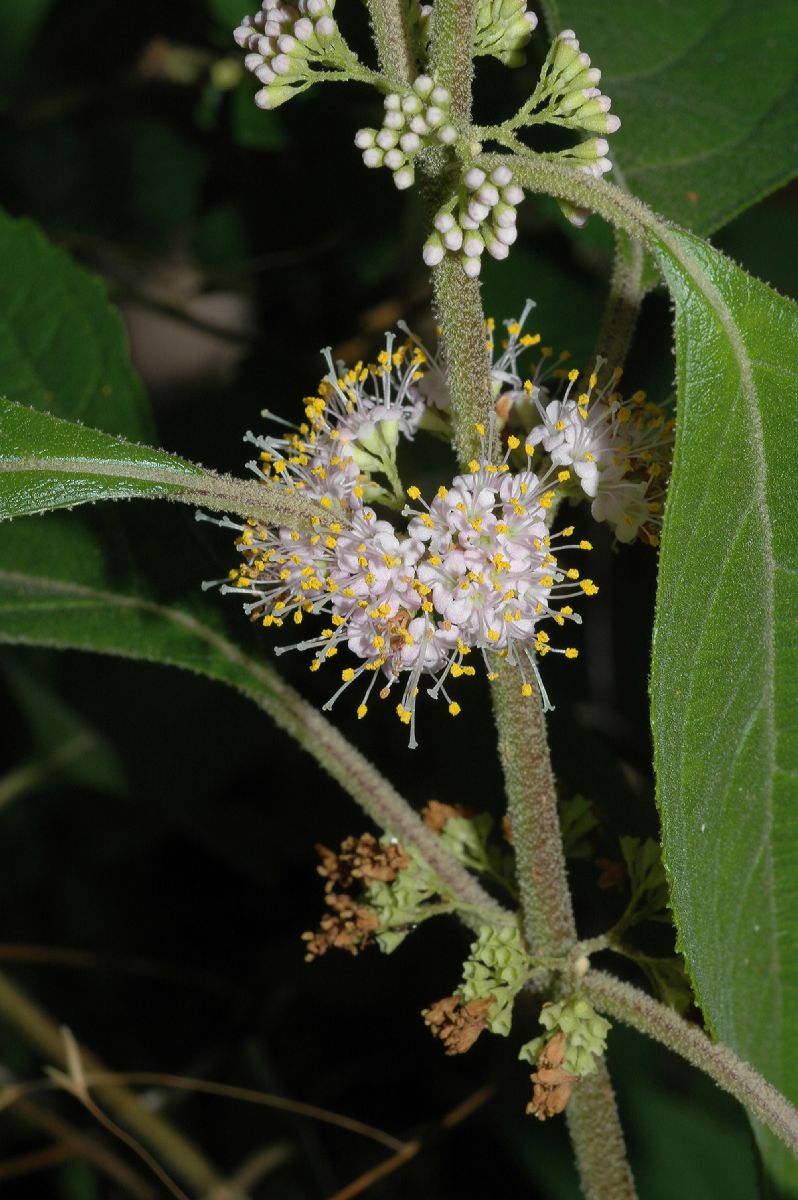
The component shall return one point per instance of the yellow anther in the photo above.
(454, 708)
(526, 689)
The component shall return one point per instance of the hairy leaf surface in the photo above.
(723, 685)
(707, 94)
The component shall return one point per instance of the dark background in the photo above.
(154, 889)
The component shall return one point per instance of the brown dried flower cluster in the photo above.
(552, 1085)
(455, 1023)
(435, 815)
(348, 927)
(360, 859)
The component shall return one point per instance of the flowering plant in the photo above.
(438, 519)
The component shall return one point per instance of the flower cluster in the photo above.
(619, 451)
(412, 121)
(284, 44)
(480, 216)
(478, 569)
(567, 87)
(497, 967)
(503, 29)
(585, 1032)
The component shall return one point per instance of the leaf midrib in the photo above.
(749, 390)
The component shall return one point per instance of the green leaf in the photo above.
(726, 659)
(61, 343)
(707, 94)
(47, 463)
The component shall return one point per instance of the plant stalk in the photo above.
(546, 902)
(624, 1002)
(549, 926)
(394, 48)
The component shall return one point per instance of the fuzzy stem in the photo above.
(623, 304)
(626, 1003)
(451, 51)
(213, 655)
(457, 301)
(546, 902)
(597, 1137)
(548, 915)
(185, 1160)
(394, 48)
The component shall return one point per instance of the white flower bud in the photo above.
(592, 148)
(504, 215)
(253, 61)
(474, 178)
(364, 138)
(393, 102)
(303, 29)
(404, 178)
(444, 221)
(434, 117)
(282, 65)
(326, 29)
(453, 238)
(502, 175)
(393, 120)
(506, 234)
(286, 44)
(467, 222)
(487, 195)
(410, 143)
(512, 194)
(387, 138)
(419, 126)
(394, 159)
(373, 157)
(433, 252)
(423, 86)
(496, 249)
(473, 245)
(471, 266)
(265, 74)
(411, 105)
(448, 135)
(478, 212)
(441, 97)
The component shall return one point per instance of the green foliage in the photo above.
(708, 97)
(60, 340)
(48, 463)
(725, 659)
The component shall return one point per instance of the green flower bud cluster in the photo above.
(585, 1031)
(566, 94)
(412, 121)
(503, 29)
(497, 966)
(399, 905)
(480, 216)
(284, 43)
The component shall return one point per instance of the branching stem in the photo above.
(626, 1003)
